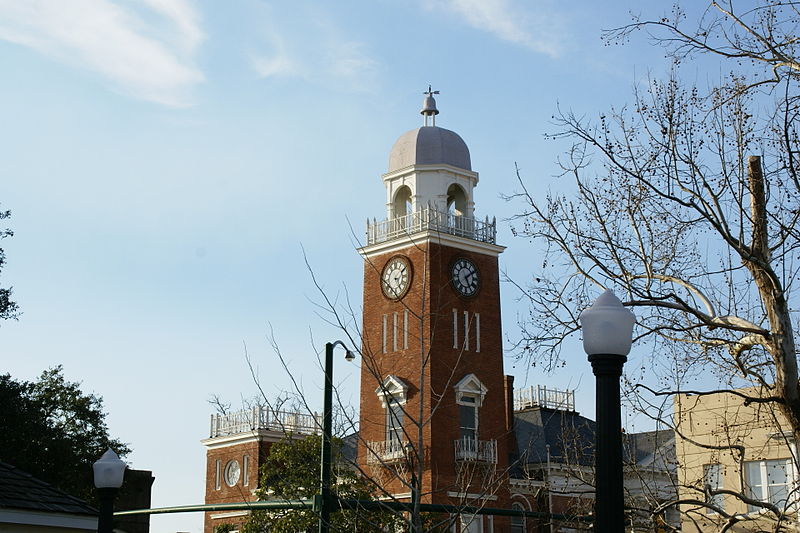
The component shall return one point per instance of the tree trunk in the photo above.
(780, 343)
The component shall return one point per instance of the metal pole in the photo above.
(105, 521)
(325, 458)
(609, 503)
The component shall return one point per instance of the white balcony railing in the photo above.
(483, 451)
(539, 396)
(265, 418)
(433, 220)
(386, 451)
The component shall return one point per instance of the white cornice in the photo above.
(470, 496)
(427, 168)
(242, 438)
(435, 237)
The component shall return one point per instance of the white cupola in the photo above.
(430, 167)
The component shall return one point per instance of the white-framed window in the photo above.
(468, 417)
(392, 395)
(218, 475)
(470, 393)
(517, 522)
(771, 481)
(246, 470)
(471, 523)
(713, 476)
(394, 422)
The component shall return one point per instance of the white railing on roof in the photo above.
(265, 418)
(539, 396)
(482, 451)
(386, 451)
(433, 220)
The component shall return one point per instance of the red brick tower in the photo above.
(432, 383)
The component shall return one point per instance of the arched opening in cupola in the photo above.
(402, 201)
(456, 200)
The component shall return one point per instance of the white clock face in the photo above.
(396, 277)
(465, 277)
(232, 472)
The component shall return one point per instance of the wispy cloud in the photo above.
(147, 54)
(329, 58)
(277, 62)
(533, 26)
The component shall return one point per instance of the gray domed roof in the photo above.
(429, 145)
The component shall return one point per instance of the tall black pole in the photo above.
(327, 429)
(105, 521)
(609, 513)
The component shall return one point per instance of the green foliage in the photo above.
(54, 431)
(292, 472)
(8, 308)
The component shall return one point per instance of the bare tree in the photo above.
(687, 203)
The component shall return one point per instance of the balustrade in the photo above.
(263, 418)
(433, 220)
(387, 451)
(483, 451)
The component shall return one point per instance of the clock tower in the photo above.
(435, 417)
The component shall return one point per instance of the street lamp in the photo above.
(108, 473)
(607, 336)
(327, 430)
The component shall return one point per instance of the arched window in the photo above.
(456, 200)
(402, 201)
(517, 522)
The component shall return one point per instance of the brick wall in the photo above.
(430, 303)
(256, 450)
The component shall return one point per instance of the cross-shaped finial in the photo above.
(429, 92)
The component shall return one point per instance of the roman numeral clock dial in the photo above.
(465, 277)
(396, 277)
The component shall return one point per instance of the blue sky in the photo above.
(167, 161)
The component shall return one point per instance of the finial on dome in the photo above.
(429, 106)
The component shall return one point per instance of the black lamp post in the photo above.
(607, 332)
(109, 471)
(327, 430)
